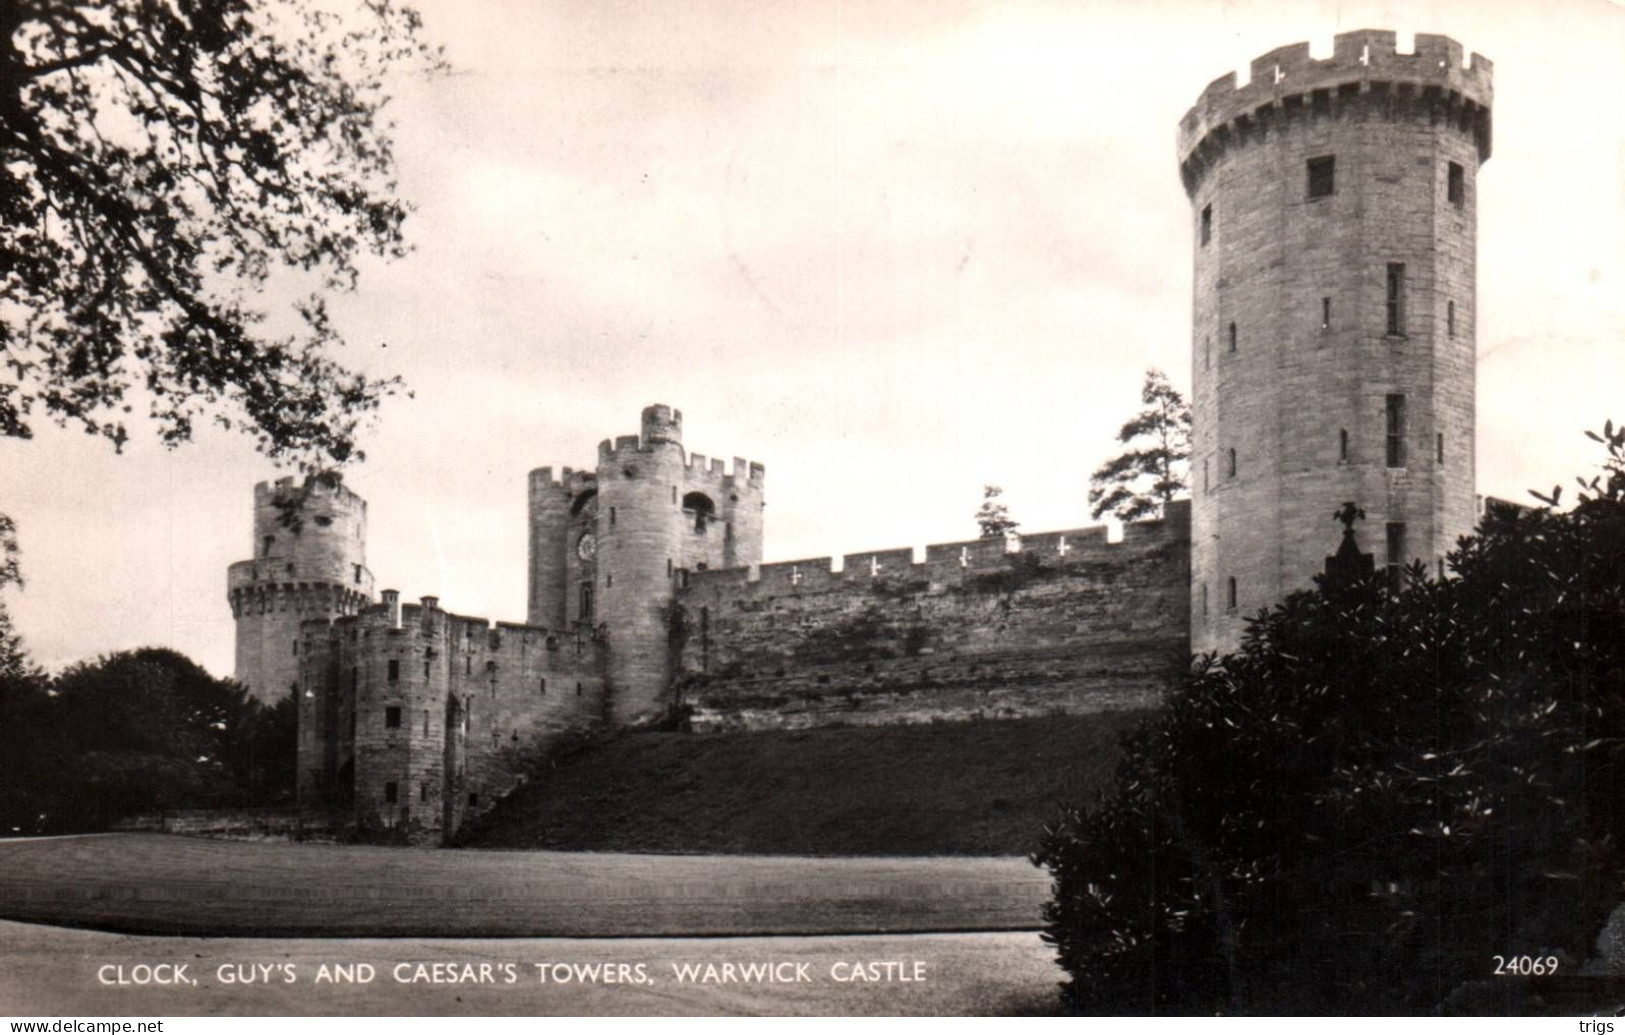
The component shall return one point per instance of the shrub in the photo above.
(1373, 797)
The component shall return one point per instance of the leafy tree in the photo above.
(1152, 470)
(1375, 795)
(133, 732)
(159, 162)
(993, 517)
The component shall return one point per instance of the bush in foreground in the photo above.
(1376, 795)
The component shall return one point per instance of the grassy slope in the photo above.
(974, 788)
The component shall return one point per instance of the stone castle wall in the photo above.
(415, 718)
(1071, 623)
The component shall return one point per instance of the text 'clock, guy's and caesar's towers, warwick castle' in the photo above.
(1334, 233)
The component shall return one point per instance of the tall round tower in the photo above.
(640, 479)
(310, 562)
(1333, 341)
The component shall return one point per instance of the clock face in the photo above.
(587, 547)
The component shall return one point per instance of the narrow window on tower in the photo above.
(392, 718)
(1343, 445)
(1396, 431)
(1204, 600)
(1232, 335)
(586, 602)
(1438, 447)
(1207, 224)
(1396, 299)
(1230, 594)
(394, 670)
(1396, 556)
(392, 792)
(1456, 185)
(1326, 313)
(611, 517)
(1207, 486)
(423, 792)
(1232, 459)
(1207, 352)
(1322, 176)
(1450, 319)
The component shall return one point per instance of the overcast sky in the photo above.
(892, 250)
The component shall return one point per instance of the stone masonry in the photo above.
(1333, 322)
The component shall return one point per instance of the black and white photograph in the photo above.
(832, 508)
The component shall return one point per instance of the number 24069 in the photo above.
(1525, 966)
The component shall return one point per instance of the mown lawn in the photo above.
(165, 884)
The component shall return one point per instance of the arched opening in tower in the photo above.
(699, 505)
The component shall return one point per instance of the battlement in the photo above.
(316, 485)
(662, 428)
(1287, 80)
(569, 482)
(745, 473)
(948, 563)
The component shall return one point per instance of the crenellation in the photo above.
(1367, 60)
(877, 562)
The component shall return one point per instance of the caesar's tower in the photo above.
(310, 562)
(1333, 340)
(610, 548)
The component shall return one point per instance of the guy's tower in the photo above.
(1333, 344)
(313, 565)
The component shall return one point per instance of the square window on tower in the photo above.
(1322, 176)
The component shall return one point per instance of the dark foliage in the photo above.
(1375, 795)
(135, 732)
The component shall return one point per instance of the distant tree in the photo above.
(993, 517)
(1152, 471)
(1375, 795)
(134, 732)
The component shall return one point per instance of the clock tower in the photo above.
(610, 547)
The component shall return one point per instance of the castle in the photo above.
(1332, 360)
